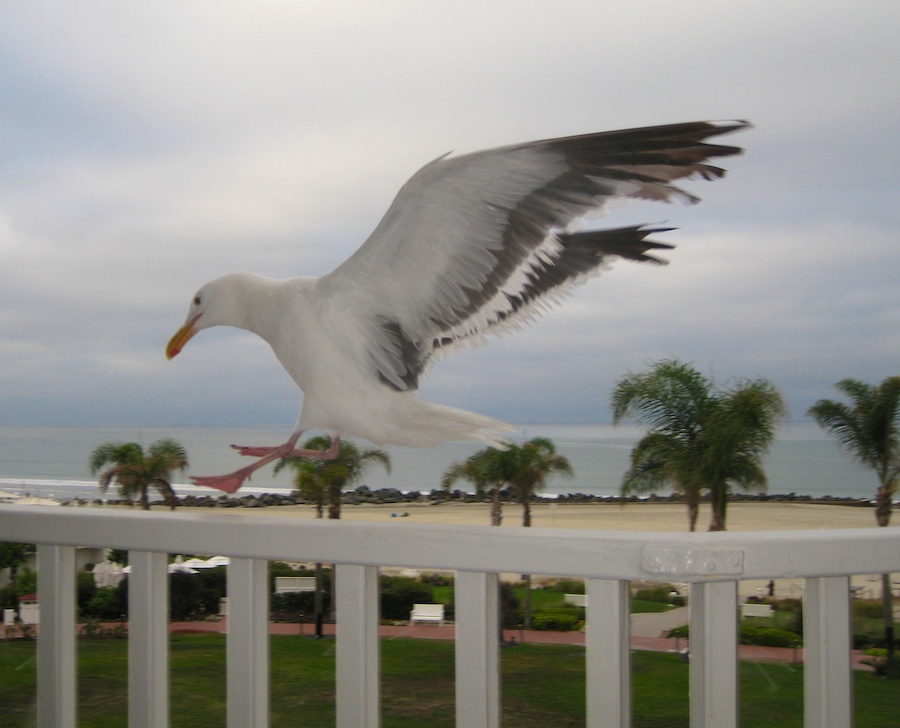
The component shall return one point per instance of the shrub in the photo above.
(8, 597)
(399, 593)
(118, 556)
(215, 579)
(510, 616)
(868, 609)
(558, 619)
(660, 593)
(25, 581)
(789, 604)
(86, 589)
(105, 604)
(184, 596)
(870, 634)
(569, 586)
(122, 589)
(437, 579)
(768, 636)
(294, 606)
(752, 635)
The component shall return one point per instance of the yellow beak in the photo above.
(182, 336)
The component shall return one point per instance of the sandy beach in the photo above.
(601, 516)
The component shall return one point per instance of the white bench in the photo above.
(431, 613)
(288, 584)
(577, 600)
(756, 610)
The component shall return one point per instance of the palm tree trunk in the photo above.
(883, 518)
(888, 612)
(718, 502)
(332, 602)
(317, 602)
(717, 522)
(496, 506)
(693, 512)
(883, 505)
(526, 522)
(334, 506)
(527, 621)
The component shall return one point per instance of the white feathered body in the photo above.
(471, 245)
(321, 342)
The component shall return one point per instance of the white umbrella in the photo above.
(181, 568)
(196, 564)
(172, 569)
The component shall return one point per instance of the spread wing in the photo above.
(481, 241)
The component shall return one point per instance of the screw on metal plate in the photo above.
(687, 561)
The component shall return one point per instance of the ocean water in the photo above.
(53, 461)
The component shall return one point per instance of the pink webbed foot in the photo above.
(287, 451)
(256, 452)
(230, 483)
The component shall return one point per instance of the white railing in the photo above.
(713, 563)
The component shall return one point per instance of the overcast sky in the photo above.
(149, 147)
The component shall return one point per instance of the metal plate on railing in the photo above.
(679, 560)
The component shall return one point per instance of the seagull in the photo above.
(473, 244)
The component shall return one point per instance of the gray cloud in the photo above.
(150, 148)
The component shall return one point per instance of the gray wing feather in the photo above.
(480, 241)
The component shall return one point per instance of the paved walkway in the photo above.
(647, 632)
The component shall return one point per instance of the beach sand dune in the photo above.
(600, 516)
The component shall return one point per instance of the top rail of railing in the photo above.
(596, 554)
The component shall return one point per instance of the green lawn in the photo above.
(550, 599)
(542, 685)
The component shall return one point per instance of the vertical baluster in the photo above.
(477, 650)
(56, 664)
(714, 688)
(608, 654)
(358, 662)
(828, 697)
(248, 643)
(148, 640)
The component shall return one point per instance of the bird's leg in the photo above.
(330, 454)
(334, 449)
(233, 481)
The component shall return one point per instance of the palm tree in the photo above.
(698, 440)
(527, 467)
(484, 470)
(869, 429)
(323, 481)
(134, 472)
(326, 479)
(743, 420)
(523, 467)
(314, 480)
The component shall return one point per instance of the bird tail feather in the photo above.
(425, 424)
